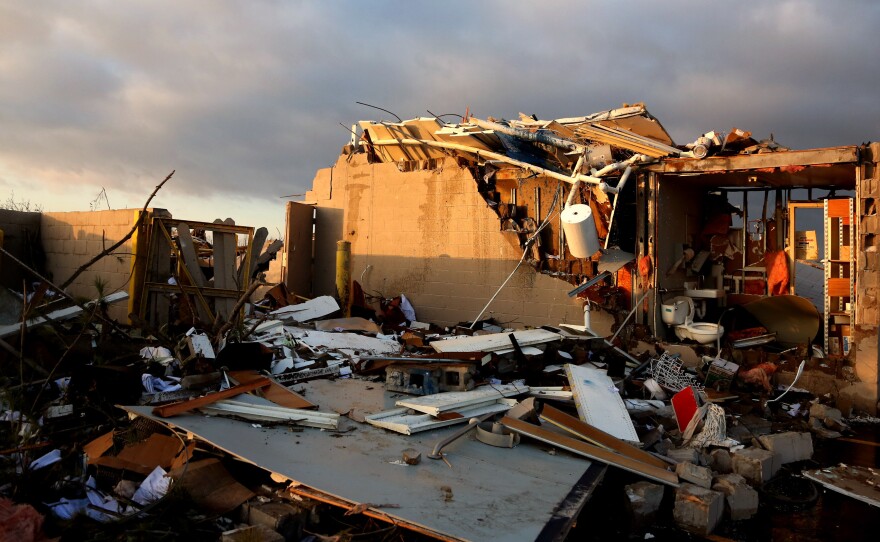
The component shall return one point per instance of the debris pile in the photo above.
(710, 439)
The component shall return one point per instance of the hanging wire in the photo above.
(380, 109)
(527, 246)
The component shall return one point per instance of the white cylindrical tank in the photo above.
(580, 230)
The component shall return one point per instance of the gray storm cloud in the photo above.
(247, 97)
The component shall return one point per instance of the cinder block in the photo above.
(679, 455)
(643, 502)
(278, 516)
(754, 464)
(694, 474)
(742, 500)
(720, 461)
(698, 510)
(787, 448)
(858, 397)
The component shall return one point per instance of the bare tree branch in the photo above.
(119, 243)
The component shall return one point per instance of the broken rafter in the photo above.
(492, 156)
(619, 137)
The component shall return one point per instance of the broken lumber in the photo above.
(180, 407)
(596, 436)
(591, 452)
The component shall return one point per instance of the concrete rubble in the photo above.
(651, 362)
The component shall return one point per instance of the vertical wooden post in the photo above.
(139, 251)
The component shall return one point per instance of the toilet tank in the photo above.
(674, 312)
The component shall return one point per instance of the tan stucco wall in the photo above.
(71, 239)
(430, 235)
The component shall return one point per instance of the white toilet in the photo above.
(680, 314)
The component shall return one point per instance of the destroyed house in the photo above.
(581, 219)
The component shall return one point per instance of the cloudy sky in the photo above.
(245, 99)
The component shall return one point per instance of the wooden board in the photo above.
(832, 155)
(596, 436)
(592, 452)
(227, 267)
(496, 341)
(190, 258)
(275, 392)
(599, 403)
(173, 409)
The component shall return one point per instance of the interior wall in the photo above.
(430, 235)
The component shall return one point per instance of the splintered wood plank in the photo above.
(190, 258)
(257, 243)
(173, 409)
(275, 392)
(592, 452)
(598, 402)
(831, 155)
(596, 436)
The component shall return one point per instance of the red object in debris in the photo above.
(20, 522)
(759, 375)
(777, 272)
(684, 403)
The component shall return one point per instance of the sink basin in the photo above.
(705, 293)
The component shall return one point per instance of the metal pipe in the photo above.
(435, 453)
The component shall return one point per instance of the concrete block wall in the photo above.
(18, 227)
(867, 301)
(70, 239)
(430, 235)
